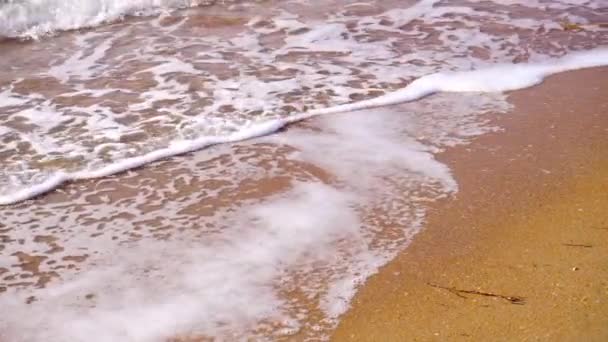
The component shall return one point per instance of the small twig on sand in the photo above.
(511, 299)
(568, 26)
(577, 245)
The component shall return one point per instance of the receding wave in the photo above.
(493, 79)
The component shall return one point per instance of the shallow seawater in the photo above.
(158, 218)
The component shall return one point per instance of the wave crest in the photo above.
(35, 18)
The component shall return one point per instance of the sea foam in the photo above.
(498, 78)
(34, 18)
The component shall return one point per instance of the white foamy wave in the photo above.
(54, 180)
(207, 295)
(230, 282)
(499, 78)
(33, 18)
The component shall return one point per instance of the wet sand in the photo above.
(520, 253)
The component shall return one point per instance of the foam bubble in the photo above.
(8, 99)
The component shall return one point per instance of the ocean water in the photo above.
(180, 170)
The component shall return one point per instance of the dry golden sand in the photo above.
(530, 223)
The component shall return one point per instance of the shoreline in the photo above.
(271, 238)
(528, 227)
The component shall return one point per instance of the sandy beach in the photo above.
(177, 170)
(520, 252)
